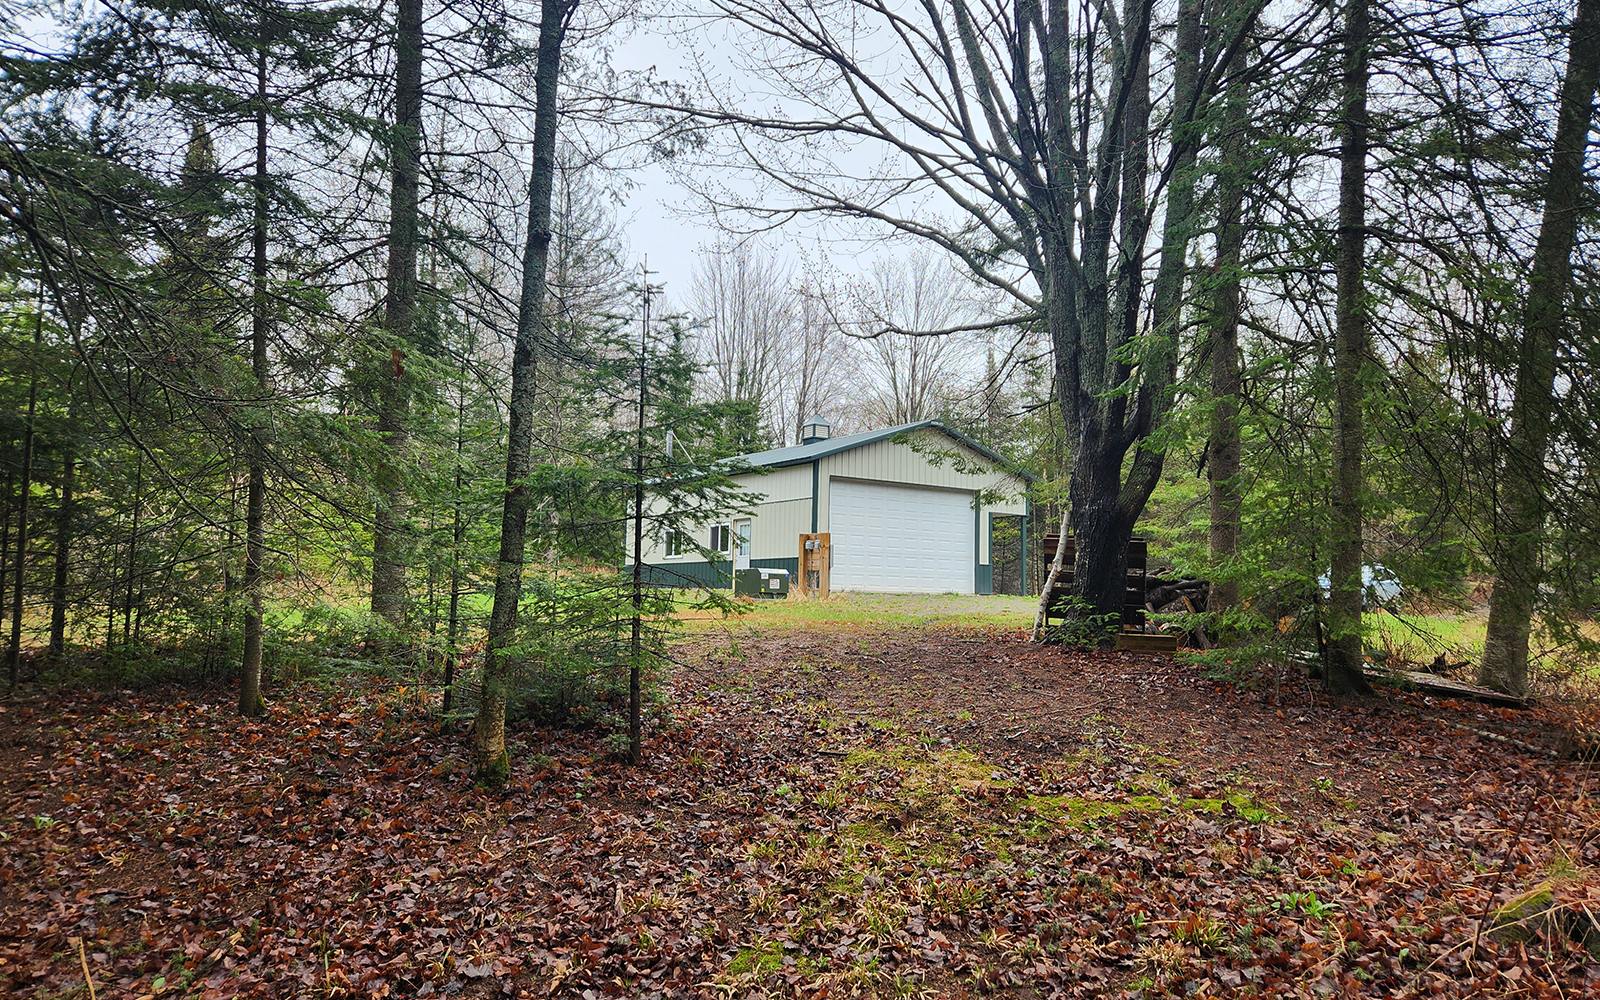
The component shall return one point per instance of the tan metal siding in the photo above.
(775, 530)
(785, 512)
(792, 483)
(775, 533)
(890, 462)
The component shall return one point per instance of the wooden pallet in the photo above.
(1133, 595)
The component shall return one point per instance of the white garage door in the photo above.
(900, 539)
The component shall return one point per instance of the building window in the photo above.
(721, 538)
(678, 543)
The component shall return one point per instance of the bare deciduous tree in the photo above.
(817, 370)
(744, 301)
(908, 375)
(1024, 139)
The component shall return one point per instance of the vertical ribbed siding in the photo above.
(796, 498)
(891, 462)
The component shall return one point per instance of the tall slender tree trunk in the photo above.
(250, 703)
(1222, 462)
(5, 548)
(491, 765)
(129, 576)
(63, 554)
(1523, 505)
(399, 319)
(457, 533)
(1350, 350)
(111, 597)
(230, 542)
(636, 648)
(14, 651)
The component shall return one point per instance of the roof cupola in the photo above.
(814, 430)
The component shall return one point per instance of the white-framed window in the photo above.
(721, 538)
(678, 544)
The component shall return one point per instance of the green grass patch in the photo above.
(876, 611)
(1420, 638)
(1249, 808)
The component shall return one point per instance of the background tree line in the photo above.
(1333, 256)
(299, 296)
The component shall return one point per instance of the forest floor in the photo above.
(844, 809)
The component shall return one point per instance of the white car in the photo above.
(1378, 586)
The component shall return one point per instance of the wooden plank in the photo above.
(1137, 642)
(1138, 548)
(1434, 684)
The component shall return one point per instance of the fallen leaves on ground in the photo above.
(910, 813)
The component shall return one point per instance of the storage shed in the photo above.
(909, 509)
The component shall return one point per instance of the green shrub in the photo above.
(570, 664)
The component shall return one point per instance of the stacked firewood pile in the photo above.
(1176, 596)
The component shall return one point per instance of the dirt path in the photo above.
(831, 812)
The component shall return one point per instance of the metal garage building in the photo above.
(909, 509)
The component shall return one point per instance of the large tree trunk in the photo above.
(491, 765)
(1092, 368)
(1101, 530)
(1344, 660)
(250, 703)
(399, 319)
(1523, 501)
(1222, 462)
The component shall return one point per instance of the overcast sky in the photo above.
(665, 220)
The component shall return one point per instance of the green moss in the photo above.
(957, 768)
(1054, 809)
(495, 774)
(766, 957)
(926, 787)
(1520, 919)
(1051, 810)
(1249, 808)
